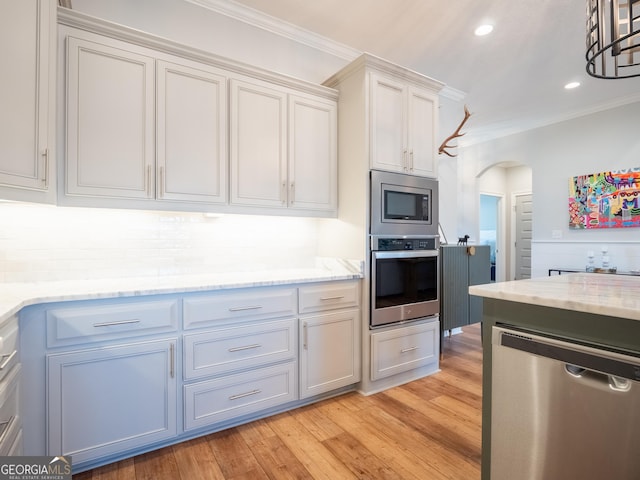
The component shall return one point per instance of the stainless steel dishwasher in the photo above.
(562, 410)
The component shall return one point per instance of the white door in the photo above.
(258, 149)
(191, 133)
(313, 154)
(110, 120)
(388, 119)
(421, 132)
(26, 29)
(524, 224)
(112, 399)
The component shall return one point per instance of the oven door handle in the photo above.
(405, 254)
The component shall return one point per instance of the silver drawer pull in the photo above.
(4, 428)
(337, 297)
(8, 359)
(410, 349)
(240, 309)
(246, 347)
(242, 395)
(110, 324)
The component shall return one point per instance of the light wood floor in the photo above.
(429, 429)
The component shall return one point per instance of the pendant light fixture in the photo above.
(613, 38)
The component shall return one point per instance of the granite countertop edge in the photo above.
(16, 296)
(601, 294)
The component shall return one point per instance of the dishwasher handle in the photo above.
(613, 382)
(578, 355)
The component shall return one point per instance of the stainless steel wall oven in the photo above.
(404, 278)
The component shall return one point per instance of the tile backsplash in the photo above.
(44, 243)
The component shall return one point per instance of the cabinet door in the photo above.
(313, 154)
(109, 400)
(191, 133)
(258, 150)
(110, 120)
(330, 352)
(421, 132)
(388, 119)
(27, 36)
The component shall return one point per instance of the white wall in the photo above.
(603, 141)
(39, 243)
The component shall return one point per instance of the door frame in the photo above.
(501, 257)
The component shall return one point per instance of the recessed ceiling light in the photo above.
(483, 30)
(572, 85)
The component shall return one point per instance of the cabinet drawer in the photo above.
(81, 325)
(214, 401)
(329, 296)
(238, 347)
(10, 423)
(8, 347)
(250, 304)
(404, 349)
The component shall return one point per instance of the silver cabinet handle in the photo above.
(8, 359)
(283, 193)
(172, 360)
(304, 335)
(45, 173)
(326, 299)
(293, 192)
(411, 160)
(241, 309)
(121, 322)
(404, 160)
(410, 349)
(246, 394)
(161, 182)
(246, 347)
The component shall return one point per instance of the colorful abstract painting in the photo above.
(605, 200)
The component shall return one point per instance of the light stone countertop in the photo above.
(601, 294)
(15, 296)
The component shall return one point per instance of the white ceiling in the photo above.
(512, 80)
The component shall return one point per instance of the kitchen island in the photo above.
(589, 308)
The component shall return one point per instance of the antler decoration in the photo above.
(444, 146)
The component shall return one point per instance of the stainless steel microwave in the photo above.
(403, 204)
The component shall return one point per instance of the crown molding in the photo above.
(277, 26)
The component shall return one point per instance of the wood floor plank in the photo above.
(277, 460)
(196, 460)
(316, 458)
(157, 464)
(234, 456)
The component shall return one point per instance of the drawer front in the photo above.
(10, 423)
(249, 304)
(81, 325)
(8, 347)
(239, 347)
(329, 296)
(404, 349)
(214, 401)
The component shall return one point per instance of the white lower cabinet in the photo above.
(403, 349)
(330, 352)
(108, 400)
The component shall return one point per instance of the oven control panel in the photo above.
(384, 244)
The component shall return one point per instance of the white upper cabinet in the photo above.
(403, 127)
(191, 133)
(283, 148)
(110, 120)
(258, 129)
(27, 97)
(313, 154)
